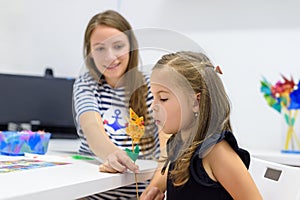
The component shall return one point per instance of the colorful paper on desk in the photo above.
(24, 164)
(16, 143)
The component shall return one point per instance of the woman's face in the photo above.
(172, 108)
(110, 51)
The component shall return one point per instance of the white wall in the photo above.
(247, 39)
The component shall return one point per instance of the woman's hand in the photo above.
(152, 193)
(118, 161)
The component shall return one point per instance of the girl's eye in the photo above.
(163, 99)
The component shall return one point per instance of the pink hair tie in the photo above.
(218, 70)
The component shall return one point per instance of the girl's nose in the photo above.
(154, 106)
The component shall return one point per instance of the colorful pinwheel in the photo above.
(284, 97)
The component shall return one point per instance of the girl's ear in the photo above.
(196, 103)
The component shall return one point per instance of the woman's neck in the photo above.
(114, 82)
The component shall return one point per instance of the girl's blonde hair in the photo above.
(214, 107)
(135, 85)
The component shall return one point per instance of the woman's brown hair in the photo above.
(135, 87)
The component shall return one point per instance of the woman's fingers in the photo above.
(106, 168)
(118, 161)
(121, 162)
(115, 164)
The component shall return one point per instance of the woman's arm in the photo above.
(228, 169)
(115, 160)
(91, 123)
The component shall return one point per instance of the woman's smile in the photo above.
(113, 66)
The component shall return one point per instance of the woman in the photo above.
(104, 94)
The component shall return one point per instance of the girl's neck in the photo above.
(187, 132)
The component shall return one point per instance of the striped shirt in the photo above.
(89, 95)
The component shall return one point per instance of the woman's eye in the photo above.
(119, 46)
(163, 99)
(99, 49)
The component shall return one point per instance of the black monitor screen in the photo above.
(45, 102)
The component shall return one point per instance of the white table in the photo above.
(71, 181)
(277, 157)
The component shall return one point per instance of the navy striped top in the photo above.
(90, 95)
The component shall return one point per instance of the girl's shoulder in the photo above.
(221, 152)
(226, 152)
(221, 147)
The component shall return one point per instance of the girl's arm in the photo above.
(156, 188)
(226, 167)
(115, 160)
(158, 184)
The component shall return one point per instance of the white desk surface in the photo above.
(71, 181)
(277, 156)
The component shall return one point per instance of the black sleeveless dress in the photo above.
(200, 185)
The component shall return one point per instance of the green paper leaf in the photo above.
(277, 107)
(273, 102)
(292, 121)
(287, 119)
(135, 154)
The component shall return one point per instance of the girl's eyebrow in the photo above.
(162, 91)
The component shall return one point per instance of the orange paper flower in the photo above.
(135, 128)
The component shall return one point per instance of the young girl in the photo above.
(105, 92)
(204, 160)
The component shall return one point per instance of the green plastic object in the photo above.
(80, 157)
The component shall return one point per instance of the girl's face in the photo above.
(110, 51)
(173, 109)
